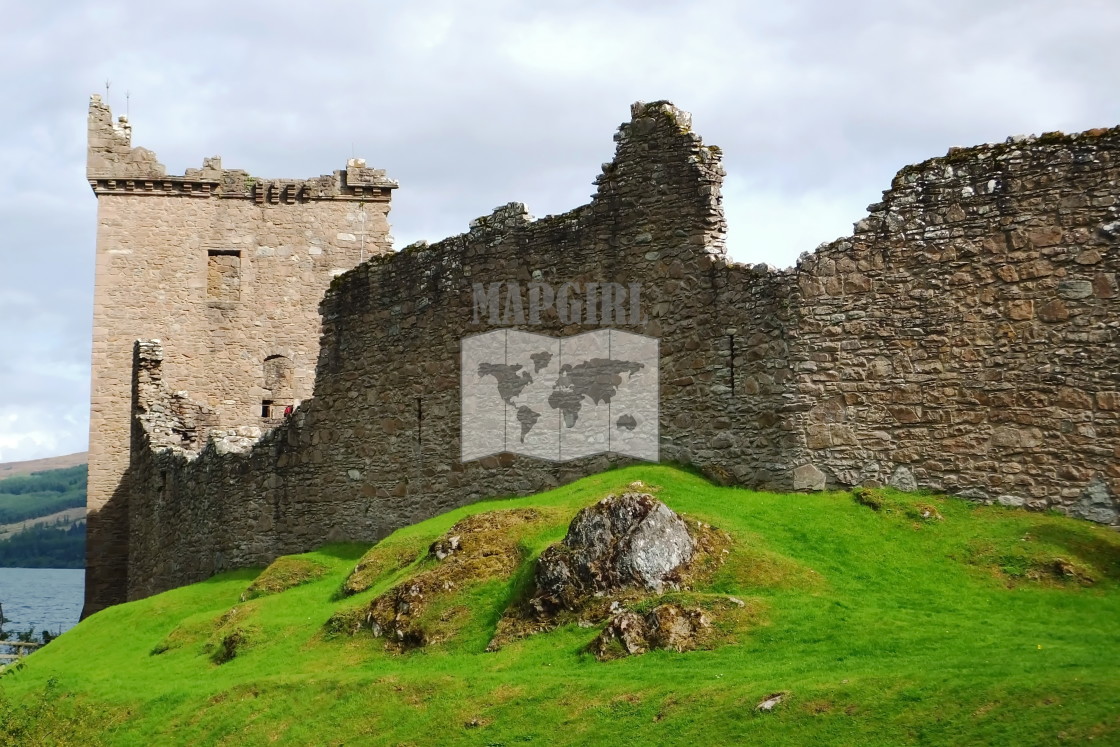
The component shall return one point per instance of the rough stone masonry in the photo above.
(963, 339)
(227, 270)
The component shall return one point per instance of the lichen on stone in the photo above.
(420, 610)
(620, 552)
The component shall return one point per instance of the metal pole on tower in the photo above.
(362, 207)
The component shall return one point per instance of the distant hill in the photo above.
(42, 515)
(13, 469)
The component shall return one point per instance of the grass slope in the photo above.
(989, 626)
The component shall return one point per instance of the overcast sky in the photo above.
(474, 104)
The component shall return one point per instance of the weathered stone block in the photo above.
(808, 477)
(1075, 399)
(842, 435)
(903, 479)
(1053, 311)
(904, 414)
(1108, 400)
(1104, 285)
(1047, 236)
(818, 436)
(1007, 273)
(1020, 309)
(1075, 289)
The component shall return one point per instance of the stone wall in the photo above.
(967, 337)
(228, 271)
(964, 339)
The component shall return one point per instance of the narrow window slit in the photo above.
(731, 361)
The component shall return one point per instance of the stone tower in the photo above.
(227, 270)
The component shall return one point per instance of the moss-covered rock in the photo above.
(619, 553)
(283, 574)
(419, 610)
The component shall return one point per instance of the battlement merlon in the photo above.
(113, 166)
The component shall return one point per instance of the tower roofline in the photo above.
(114, 166)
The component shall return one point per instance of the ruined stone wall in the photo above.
(378, 446)
(228, 271)
(965, 339)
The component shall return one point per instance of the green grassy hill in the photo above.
(884, 618)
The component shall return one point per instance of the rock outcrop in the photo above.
(667, 626)
(624, 541)
(479, 548)
(621, 555)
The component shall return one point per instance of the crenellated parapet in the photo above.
(114, 167)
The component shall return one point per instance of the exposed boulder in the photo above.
(667, 626)
(903, 479)
(1097, 503)
(808, 477)
(631, 540)
(621, 554)
(770, 702)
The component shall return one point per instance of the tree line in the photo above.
(26, 497)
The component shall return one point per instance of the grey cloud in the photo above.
(815, 104)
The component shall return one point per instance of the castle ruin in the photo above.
(228, 271)
(965, 339)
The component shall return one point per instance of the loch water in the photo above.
(43, 598)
